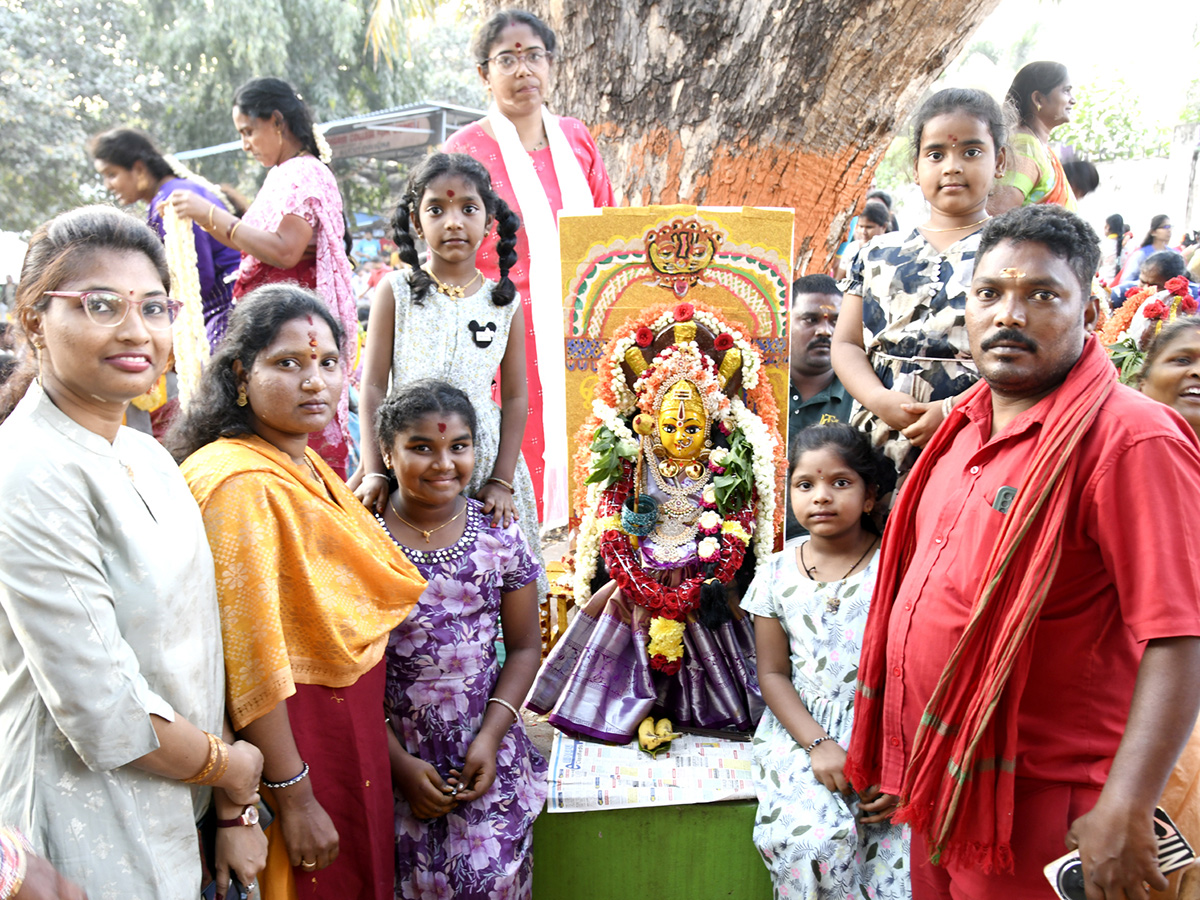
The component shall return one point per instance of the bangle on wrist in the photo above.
(212, 211)
(374, 475)
(233, 229)
(277, 785)
(215, 765)
(512, 709)
(502, 483)
(813, 746)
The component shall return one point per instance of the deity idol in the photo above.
(681, 477)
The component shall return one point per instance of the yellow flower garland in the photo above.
(666, 638)
(191, 340)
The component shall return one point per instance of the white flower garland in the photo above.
(627, 444)
(191, 341)
(324, 151)
(762, 441)
(182, 171)
(587, 547)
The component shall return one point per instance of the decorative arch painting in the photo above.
(617, 263)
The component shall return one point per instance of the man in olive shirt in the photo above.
(815, 396)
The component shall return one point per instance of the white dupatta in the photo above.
(545, 286)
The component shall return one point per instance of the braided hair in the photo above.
(507, 221)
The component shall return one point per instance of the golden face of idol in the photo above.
(682, 422)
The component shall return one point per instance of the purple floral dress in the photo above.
(441, 669)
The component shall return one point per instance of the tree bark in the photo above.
(757, 102)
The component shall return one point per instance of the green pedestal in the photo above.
(699, 852)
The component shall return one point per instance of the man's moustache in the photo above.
(819, 342)
(1009, 336)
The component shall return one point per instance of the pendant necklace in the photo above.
(452, 290)
(426, 534)
(834, 602)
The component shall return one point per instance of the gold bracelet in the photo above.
(501, 482)
(222, 763)
(237, 223)
(212, 211)
(201, 777)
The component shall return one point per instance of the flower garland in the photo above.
(766, 480)
(191, 341)
(324, 151)
(753, 421)
(720, 560)
(1118, 323)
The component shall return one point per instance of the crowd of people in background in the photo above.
(276, 639)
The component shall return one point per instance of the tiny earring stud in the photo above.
(242, 399)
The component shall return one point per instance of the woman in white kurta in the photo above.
(110, 649)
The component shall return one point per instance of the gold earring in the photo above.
(242, 399)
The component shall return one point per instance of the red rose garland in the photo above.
(623, 565)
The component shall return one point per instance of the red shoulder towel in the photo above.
(958, 784)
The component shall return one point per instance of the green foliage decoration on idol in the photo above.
(1128, 359)
(734, 487)
(606, 461)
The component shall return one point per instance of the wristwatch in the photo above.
(249, 816)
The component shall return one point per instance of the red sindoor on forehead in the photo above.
(954, 137)
(312, 343)
(309, 318)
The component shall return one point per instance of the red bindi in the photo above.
(441, 427)
(954, 137)
(518, 45)
(312, 342)
(449, 193)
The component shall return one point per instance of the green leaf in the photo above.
(774, 778)
(809, 622)
(841, 834)
(850, 676)
(820, 664)
(800, 829)
(767, 820)
(872, 851)
(850, 591)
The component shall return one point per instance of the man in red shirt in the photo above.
(1031, 667)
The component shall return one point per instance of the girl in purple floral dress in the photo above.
(468, 780)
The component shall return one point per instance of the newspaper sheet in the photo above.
(587, 776)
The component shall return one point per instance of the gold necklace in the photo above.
(392, 504)
(452, 290)
(955, 228)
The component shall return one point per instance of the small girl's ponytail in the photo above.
(507, 225)
(418, 279)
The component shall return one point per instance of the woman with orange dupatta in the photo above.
(309, 590)
(1043, 98)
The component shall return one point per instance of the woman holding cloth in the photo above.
(294, 230)
(310, 589)
(111, 682)
(540, 165)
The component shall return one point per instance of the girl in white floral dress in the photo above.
(819, 835)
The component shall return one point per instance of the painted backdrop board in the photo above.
(616, 262)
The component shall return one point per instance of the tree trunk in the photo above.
(759, 102)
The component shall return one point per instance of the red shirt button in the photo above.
(908, 606)
(895, 742)
(896, 671)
